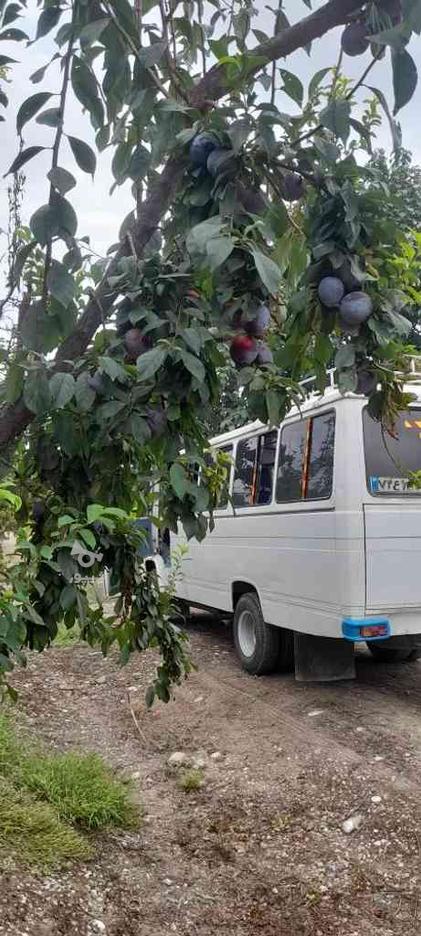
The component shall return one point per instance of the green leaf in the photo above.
(335, 117)
(149, 363)
(112, 368)
(326, 149)
(36, 394)
(57, 219)
(110, 409)
(84, 155)
(292, 86)
(268, 270)
(84, 394)
(61, 284)
(94, 512)
(88, 537)
(6, 60)
(62, 388)
(48, 19)
(405, 78)
(68, 597)
(62, 180)
(317, 80)
(273, 406)
(86, 90)
(30, 107)
(218, 249)
(345, 356)
(139, 428)
(13, 384)
(193, 364)
(179, 480)
(153, 53)
(23, 157)
(93, 31)
(139, 163)
(238, 132)
(394, 127)
(198, 236)
(50, 117)
(192, 338)
(39, 331)
(65, 520)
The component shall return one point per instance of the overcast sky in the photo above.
(99, 213)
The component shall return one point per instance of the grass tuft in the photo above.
(192, 779)
(66, 636)
(48, 800)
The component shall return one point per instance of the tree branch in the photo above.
(15, 417)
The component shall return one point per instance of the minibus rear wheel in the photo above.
(258, 644)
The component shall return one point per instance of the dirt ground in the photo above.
(260, 848)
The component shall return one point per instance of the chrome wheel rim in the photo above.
(247, 633)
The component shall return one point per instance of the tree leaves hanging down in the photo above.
(24, 157)
(86, 90)
(61, 284)
(57, 219)
(30, 107)
(405, 78)
(62, 179)
(84, 155)
(62, 388)
(47, 20)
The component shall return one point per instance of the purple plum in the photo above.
(259, 325)
(264, 355)
(218, 161)
(367, 381)
(156, 419)
(292, 186)
(201, 147)
(356, 307)
(243, 350)
(136, 344)
(331, 291)
(354, 39)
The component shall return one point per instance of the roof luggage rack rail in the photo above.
(414, 373)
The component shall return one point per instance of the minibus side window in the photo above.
(266, 468)
(291, 461)
(306, 451)
(245, 463)
(223, 500)
(320, 479)
(254, 470)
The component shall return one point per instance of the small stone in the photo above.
(378, 757)
(101, 680)
(168, 882)
(98, 926)
(317, 711)
(178, 759)
(199, 760)
(376, 799)
(136, 775)
(352, 824)
(199, 698)
(216, 756)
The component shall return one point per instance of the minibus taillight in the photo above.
(374, 630)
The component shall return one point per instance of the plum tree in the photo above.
(354, 39)
(113, 363)
(331, 291)
(355, 308)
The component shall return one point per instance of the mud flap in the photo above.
(323, 659)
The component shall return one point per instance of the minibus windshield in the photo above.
(390, 462)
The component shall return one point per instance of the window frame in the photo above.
(303, 501)
(255, 435)
(385, 495)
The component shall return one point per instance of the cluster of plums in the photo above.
(356, 38)
(248, 348)
(206, 153)
(354, 307)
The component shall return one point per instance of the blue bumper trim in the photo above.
(351, 628)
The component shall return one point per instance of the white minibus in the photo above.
(317, 544)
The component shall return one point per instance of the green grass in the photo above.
(192, 779)
(66, 637)
(48, 802)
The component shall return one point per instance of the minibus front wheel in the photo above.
(258, 644)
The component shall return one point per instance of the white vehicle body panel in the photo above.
(315, 563)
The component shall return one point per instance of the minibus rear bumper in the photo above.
(366, 629)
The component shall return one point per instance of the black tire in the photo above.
(263, 657)
(406, 650)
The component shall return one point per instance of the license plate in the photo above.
(390, 485)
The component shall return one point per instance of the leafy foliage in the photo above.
(118, 365)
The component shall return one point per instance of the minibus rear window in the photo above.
(306, 452)
(391, 461)
(254, 470)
